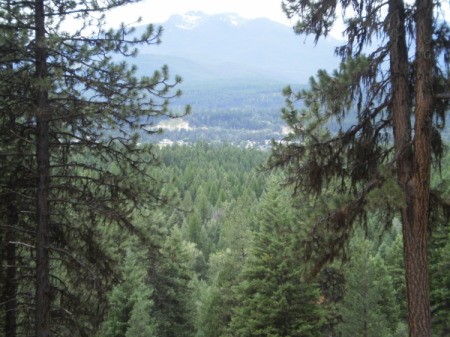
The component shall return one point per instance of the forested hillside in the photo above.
(225, 261)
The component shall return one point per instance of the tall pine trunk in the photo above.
(42, 303)
(416, 238)
(413, 157)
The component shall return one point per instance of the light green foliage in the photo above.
(440, 280)
(392, 252)
(155, 296)
(209, 178)
(273, 299)
(369, 307)
(139, 321)
(439, 259)
(130, 302)
(218, 298)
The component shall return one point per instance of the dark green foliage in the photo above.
(273, 298)
(154, 298)
(225, 266)
(394, 91)
(331, 282)
(170, 276)
(71, 159)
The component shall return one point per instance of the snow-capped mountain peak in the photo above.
(193, 19)
(232, 18)
(188, 21)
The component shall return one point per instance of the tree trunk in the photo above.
(42, 302)
(416, 239)
(413, 166)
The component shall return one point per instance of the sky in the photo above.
(158, 11)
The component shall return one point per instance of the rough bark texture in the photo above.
(413, 158)
(43, 169)
(416, 236)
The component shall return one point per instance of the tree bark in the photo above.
(42, 302)
(413, 157)
(416, 238)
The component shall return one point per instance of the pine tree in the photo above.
(369, 307)
(130, 301)
(274, 300)
(219, 297)
(72, 112)
(16, 180)
(384, 140)
(440, 280)
(392, 254)
(171, 275)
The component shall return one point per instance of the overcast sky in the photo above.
(158, 11)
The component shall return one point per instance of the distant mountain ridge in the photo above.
(203, 47)
(233, 70)
(193, 19)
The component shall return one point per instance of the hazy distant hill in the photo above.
(233, 73)
(201, 47)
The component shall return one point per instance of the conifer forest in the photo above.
(337, 227)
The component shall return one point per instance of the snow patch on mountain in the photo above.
(232, 19)
(193, 19)
(189, 20)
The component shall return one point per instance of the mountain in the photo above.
(233, 70)
(203, 47)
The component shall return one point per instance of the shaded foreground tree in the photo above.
(71, 162)
(393, 104)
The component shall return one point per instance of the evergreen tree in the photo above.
(154, 298)
(218, 298)
(369, 307)
(378, 89)
(75, 112)
(130, 302)
(440, 280)
(392, 253)
(170, 275)
(274, 300)
(16, 180)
